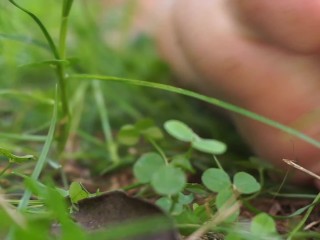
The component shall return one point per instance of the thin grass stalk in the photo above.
(211, 100)
(67, 4)
(304, 219)
(23, 203)
(66, 7)
(43, 156)
(60, 64)
(23, 137)
(111, 144)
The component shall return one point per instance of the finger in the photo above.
(293, 24)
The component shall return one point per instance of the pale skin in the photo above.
(261, 55)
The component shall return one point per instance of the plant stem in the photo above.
(42, 158)
(57, 55)
(217, 162)
(39, 165)
(67, 4)
(211, 100)
(155, 145)
(226, 211)
(304, 219)
(111, 144)
(132, 186)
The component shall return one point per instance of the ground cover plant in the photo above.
(87, 107)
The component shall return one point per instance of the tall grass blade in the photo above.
(112, 147)
(23, 137)
(43, 155)
(211, 100)
(42, 27)
(26, 95)
(24, 39)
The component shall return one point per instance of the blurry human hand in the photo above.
(258, 54)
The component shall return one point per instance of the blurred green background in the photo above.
(100, 41)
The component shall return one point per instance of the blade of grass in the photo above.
(26, 95)
(24, 39)
(53, 62)
(112, 146)
(77, 104)
(90, 139)
(23, 203)
(304, 219)
(60, 67)
(16, 217)
(42, 27)
(211, 100)
(23, 137)
(43, 155)
(67, 4)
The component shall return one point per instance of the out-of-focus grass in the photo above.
(23, 52)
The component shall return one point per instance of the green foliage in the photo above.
(226, 198)
(183, 162)
(233, 236)
(263, 227)
(245, 183)
(179, 130)
(216, 179)
(130, 134)
(165, 203)
(146, 166)
(209, 146)
(183, 132)
(176, 205)
(53, 208)
(168, 180)
(16, 159)
(77, 192)
(148, 129)
(32, 65)
(166, 175)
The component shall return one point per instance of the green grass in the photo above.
(68, 96)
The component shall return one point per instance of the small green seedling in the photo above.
(224, 200)
(147, 165)
(168, 180)
(264, 227)
(165, 179)
(16, 159)
(217, 180)
(183, 132)
(77, 192)
(245, 183)
(179, 130)
(166, 175)
(210, 146)
(130, 135)
(176, 204)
